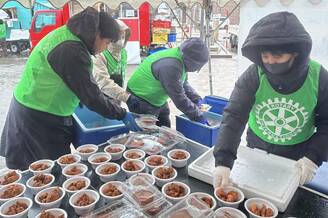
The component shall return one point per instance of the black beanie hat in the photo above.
(108, 27)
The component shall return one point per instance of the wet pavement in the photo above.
(224, 76)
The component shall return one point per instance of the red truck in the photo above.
(45, 21)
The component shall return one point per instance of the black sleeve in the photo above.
(71, 61)
(191, 92)
(168, 71)
(235, 117)
(317, 149)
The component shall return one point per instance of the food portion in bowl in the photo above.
(131, 165)
(77, 185)
(39, 166)
(50, 196)
(111, 190)
(40, 180)
(179, 155)
(114, 149)
(74, 170)
(261, 210)
(155, 160)
(68, 159)
(99, 160)
(11, 191)
(231, 196)
(9, 177)
(175, 190)
(84, 200)
(133, 155)
(16, 208)
(108, 169)
(87, 150)
(164, 172)
(45, 214)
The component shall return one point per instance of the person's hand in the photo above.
(133, 102)
(221, 176)
(307, 169)
(204, 121)
(200, 102)
(129, 121)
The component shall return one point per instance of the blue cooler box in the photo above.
(206, 135)
(218, 103)
(91, 127)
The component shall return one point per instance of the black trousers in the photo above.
(31, 135)
(162, 113)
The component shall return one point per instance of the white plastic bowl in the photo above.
(145, 176)
(74, 179)
(232, 211)
(35, 190)
(172, 199)
(3, 188)
(83, 167)
(178, 163)
(85, 156)
(4, 174)
(52, 204)
(98, 155)
(160, 182)
(151, 167)
(138, 151)
(56, 212)
(200, 195)
(107, 198)
(4, 208)
(50, 163)
(117, 155)
(77, 157)
(107, 177)
(128, 173)
(82, 210)
(259, 202)
(227, 189)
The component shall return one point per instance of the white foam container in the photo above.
(256, 173)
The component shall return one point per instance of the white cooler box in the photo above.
(256, 173)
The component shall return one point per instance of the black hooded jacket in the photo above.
(71, 60)
(169, 72)
(281, 29)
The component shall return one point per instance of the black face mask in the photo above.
(281, 68)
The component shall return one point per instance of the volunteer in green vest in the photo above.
(3, 33)
(57, 76)
(283, 96)
(163, 75)
(109, 68)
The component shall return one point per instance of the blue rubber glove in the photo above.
(200, 102)
(204, 121)
(129, 121)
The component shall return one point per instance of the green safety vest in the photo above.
(285, 119)
(144, 85)
(41, 88)
(3, 31)
(113, 66)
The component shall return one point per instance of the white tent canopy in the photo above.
(116, 3)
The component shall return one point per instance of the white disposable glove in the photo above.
(307, 169)
(221, 176)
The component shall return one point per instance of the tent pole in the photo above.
(202, 24)
(208, 12)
